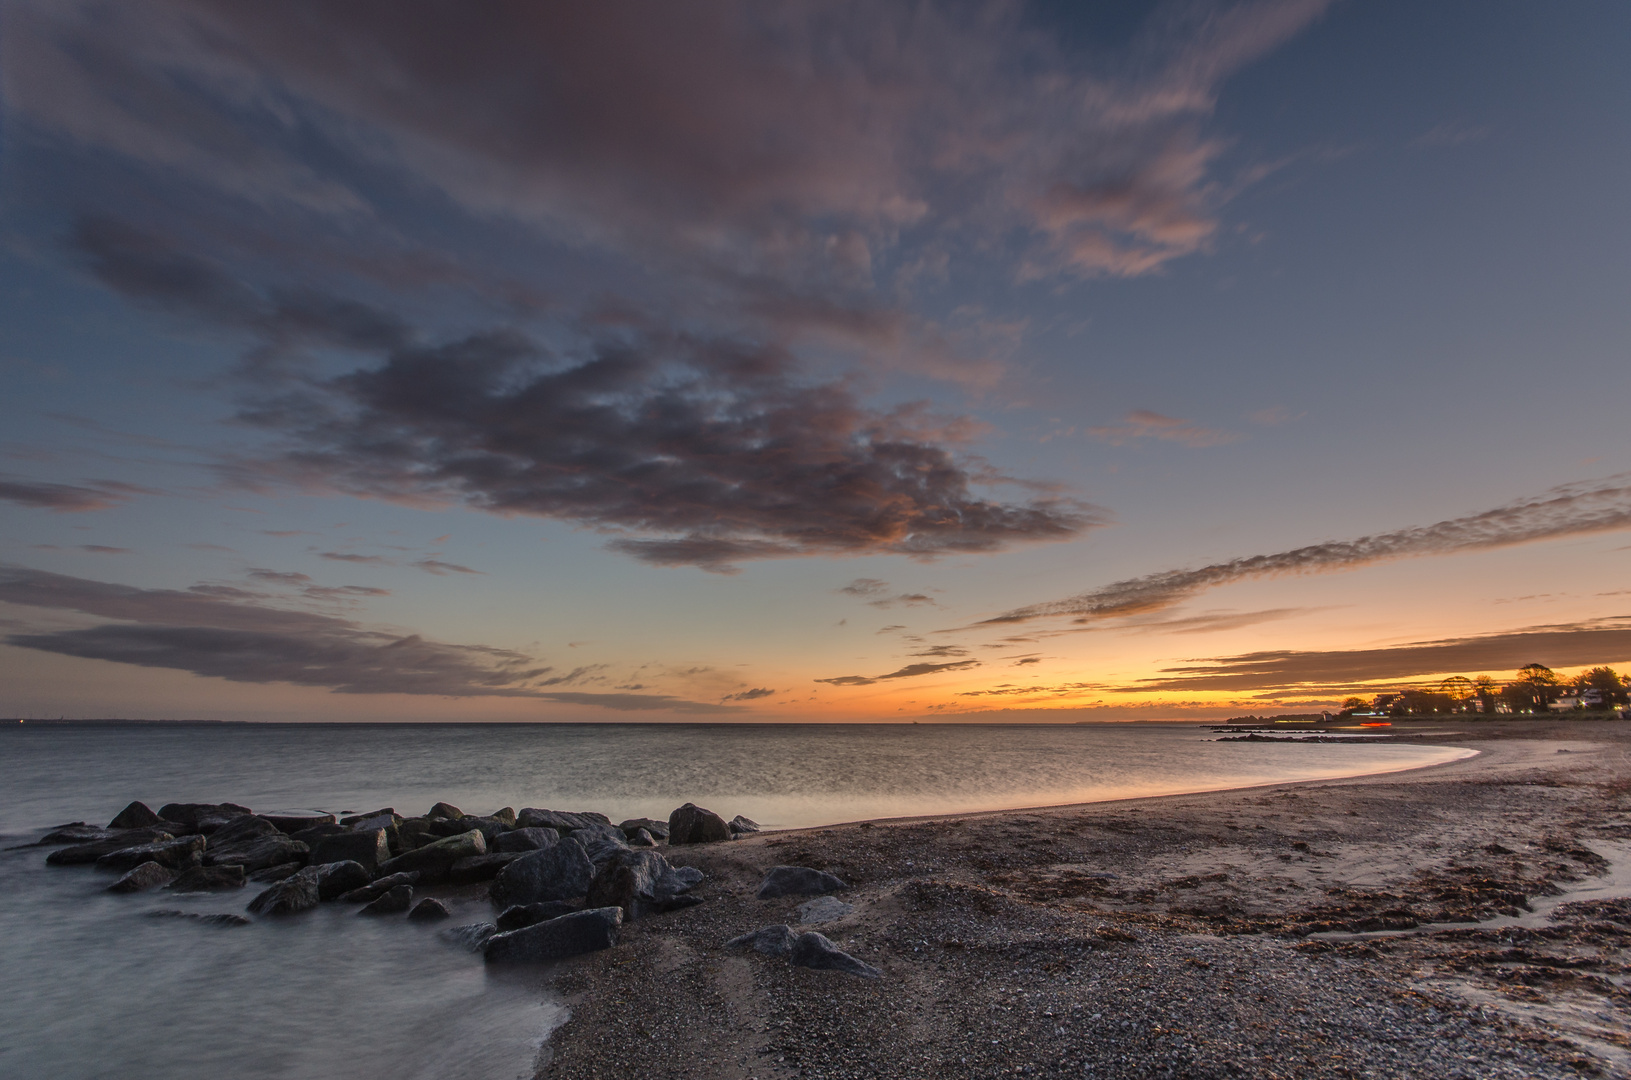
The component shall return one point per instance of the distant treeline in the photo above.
(1535, 688)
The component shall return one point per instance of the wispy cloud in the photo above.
(67, 498)
(1143, 424)
(749, 695)
(436, 566)
(908, 672)
(363, 560)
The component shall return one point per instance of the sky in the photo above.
(839, 361)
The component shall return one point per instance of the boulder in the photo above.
(78, 854)
(275, 873)
(601, 842)
(691, 824)
(372, 892)
(202, 817)
(387, 821)
(148, 875)
(490, 828)
(219, 918)
(257, 852)
(775, 940)
(514, 918)
(640, 883)
(740, 825)
(823, 909)
(354, 820)
(209, 879)
(658, 829)
(798, 881)
(506, 815)
(135, 816)
(335, 879)
(295, 893)
(639, 838)
(293, 821)
(558, 820)
(534, 838)
(429, 909)
(394, 902)
(556, 939)
(310, 836)
(436, 859)
(480, 867)
(445, 810)
(471, 936)
(244, 827)
(417, 832)
(813, 950)
(370, 848)
(176, 854)
(78, 832)
(561, 872)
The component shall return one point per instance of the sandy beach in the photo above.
(1464, 920)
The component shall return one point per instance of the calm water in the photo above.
(94, 987)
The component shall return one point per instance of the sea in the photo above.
(94, 985)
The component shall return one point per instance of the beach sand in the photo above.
(1377, 926)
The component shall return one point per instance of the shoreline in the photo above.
(1161, 935)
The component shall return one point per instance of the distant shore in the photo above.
(1374, 925)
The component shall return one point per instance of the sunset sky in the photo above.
(828, 361)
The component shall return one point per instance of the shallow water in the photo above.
(95, 987)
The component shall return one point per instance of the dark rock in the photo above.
(602, 842)
(558, 820)
(740, 825)
(639, 838)
(368, 848)
(417, 832)
(293, 821)
(202, 817)
(445, 810)
(691, 824)
(80, 833)
(436, 859)
(556, 939)
(354, 820)
(798, 881)
(824, 909)
(176, 854)
(335, 879)
(387, 821)
(395, 901)
(775, 940)
(310, 836)
(135, 816)
(429, 909)
(490, 828)
(480, 867)
(506, 815)
(561, 872)
(640, 883)
(275, 873)
(470, 936)
(213, 919)
(514, 918)
(813, 950)
(209, 879)
(534, 838)
(372, 892)
(79, 854)
(242, 828)
(658, 829)
(257, 852)
(148, 875)
(295, 893)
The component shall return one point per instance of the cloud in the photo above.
(103, 549)
(639, 702)
(1565, 645)
(365, 560)
(208, 547)
(749, 695)
(1576, 509)
(865, 586)
(943, 650)
(1143, 424)
(436, 566)
(65, 498)
(907, 672)
(279, 577)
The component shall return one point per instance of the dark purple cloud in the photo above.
(66, 498)
(749, 695)
(436, 566)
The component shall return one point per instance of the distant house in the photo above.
(1565, 704)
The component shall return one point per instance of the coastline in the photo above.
(1200, 934)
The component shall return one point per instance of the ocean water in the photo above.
(96, 986)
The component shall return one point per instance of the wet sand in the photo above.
(1464, 920)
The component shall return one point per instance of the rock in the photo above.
(556, 939)
(387, 821)
(295, 893)
(135, 816)
(243, 828)
(78, 854)
(506, 815)
(257, 852)
(354, 820)
(775, 940)
(78, 832)
(823, 909)
(369, 893)
(209, 879)
(335, 879)
(813, 950)
(370, 848)
(558, 820)
(394, 902)
(533, 838)
(293, 821)
(490, 828)
(214, 919)
(658, 829)
(147, 875)
(640, 883)
(562, 872)
(445, 810)
(202, 817)
(310, 836)
(798, 881)
(276, 873)
(470, 936)
(418, 832)
(639, 838)
(740, 825)
(601, 842)
(480, 867)
(691, 824)
(176, 854)
(429, 910)
(436, 859)
(514, 918)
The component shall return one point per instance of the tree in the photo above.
(1606, 679)
(1484, 689)
(1458, 688)
(1537, 683)
(1353, 704)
